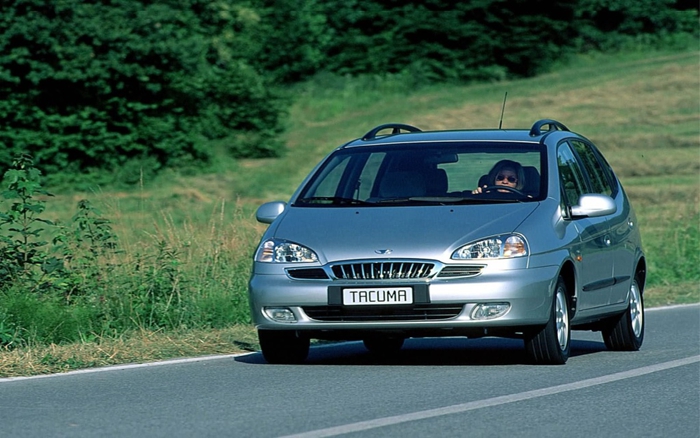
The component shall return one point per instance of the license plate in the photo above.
(377, 296)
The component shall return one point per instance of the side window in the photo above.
(596, 172)
(570, 175)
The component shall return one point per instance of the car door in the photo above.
(620, 223)
(594, 260)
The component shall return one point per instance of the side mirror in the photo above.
(593, 205)
(269, 211)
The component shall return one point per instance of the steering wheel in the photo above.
(489, 189)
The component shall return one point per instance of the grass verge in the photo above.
(137, 347)
(148, 346)
(179, 287)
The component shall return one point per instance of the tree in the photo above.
(93, 85)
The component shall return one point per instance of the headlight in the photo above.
(281, 251)
(504, 246)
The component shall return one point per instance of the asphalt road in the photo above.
(433, 388)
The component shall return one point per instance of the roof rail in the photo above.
(396, 128)
(553, 125)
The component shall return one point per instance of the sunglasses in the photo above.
(511, 179)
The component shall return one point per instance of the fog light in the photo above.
(280, 314)
(489, 310)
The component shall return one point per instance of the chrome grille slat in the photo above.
(382, 270)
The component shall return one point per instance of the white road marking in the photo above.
(203, 358)
(455, 409)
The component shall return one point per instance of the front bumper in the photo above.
(527, 290)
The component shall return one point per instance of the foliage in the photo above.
(121, 90)
(456, 41)
(481, 39)
(95, 86)
(82, 284)
(295, 38)
(612, 24)
(67, 265)
(21, 252)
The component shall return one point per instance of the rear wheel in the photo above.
(551, 344)
(283, 347)
(383, 346)
(626, 331)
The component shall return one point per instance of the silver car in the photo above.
(399, 234)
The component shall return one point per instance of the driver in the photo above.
(504, 173)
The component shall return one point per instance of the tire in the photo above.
(551, 344)
(626, 331)
(383, 346)
(283, 347)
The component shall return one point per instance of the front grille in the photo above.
(421, 312)
(460, 271)
(382, 270)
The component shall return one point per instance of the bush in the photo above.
(617, 24)
(124, 89)
(94, 86)
(455, 41)
(294, 38)
(438, 40)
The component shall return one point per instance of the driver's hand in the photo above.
(477, 190)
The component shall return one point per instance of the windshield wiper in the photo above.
(439, 200)
(487, 200)
(331, 200)
(443, 200)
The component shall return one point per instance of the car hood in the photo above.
(399, 232)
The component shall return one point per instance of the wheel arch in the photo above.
(568, 273)
(640, 273)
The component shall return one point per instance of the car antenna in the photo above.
(503, 110)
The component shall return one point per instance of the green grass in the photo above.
(641, 109)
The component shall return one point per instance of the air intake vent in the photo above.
(308, 274)
(460, 271)
(426, 312)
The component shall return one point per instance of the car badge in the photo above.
(383, 251)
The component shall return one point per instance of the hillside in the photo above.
(186, 241)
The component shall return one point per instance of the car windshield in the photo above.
(427, 174)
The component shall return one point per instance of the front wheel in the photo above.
(283, 346)
(626, 331)
(551, 344)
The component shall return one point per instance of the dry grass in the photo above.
(138, 347)
(684, 293)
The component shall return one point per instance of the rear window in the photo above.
(427, 173)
